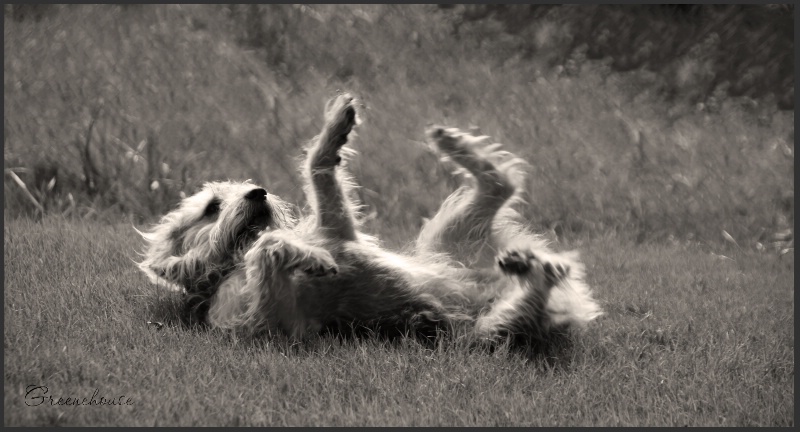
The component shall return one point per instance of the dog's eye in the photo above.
(212, 208)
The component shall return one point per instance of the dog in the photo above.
(245, 262)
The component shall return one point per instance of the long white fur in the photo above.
(299, 276)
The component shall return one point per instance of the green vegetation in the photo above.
(113, 112)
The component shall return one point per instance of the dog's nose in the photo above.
(256, 194)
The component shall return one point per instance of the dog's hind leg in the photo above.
(463, 226)
(328, 187)
(520, 311)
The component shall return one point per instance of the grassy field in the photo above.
(689, 338)
(683, 210)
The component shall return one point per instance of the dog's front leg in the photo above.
(328, 197)
(270, 290)
(283, 252)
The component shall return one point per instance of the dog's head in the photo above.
(210, 230)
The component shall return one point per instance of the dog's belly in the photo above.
(372, 287)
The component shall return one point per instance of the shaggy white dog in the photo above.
(246, 263)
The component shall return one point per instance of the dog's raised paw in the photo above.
(444, 140)
(319, 263)
(512, 262)
(555, 272)
(520, 262)
(321, 270)
(340, 117)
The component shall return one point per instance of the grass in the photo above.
(103, 102)
(688, 338)
(112, 112)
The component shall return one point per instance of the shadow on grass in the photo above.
(172, 310)
(551, 353)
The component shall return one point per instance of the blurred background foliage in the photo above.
(738, 50)
(654, 122)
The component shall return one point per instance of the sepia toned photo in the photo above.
(398, 215)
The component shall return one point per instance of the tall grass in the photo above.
(122, 109)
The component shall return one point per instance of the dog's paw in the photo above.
(555, 272)
(514, 263)
(445, 140)
(522, 262)
(283, 254)
(340, 118)
(453, 140)
(311, 260)
(319, 263)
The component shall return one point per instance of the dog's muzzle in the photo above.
(257, 194)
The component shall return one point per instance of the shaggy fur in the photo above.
(246, 263)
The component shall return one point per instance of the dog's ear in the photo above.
(172, 270)
(159, 257)
(158, 276)
(164, 276)
(160, 272)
